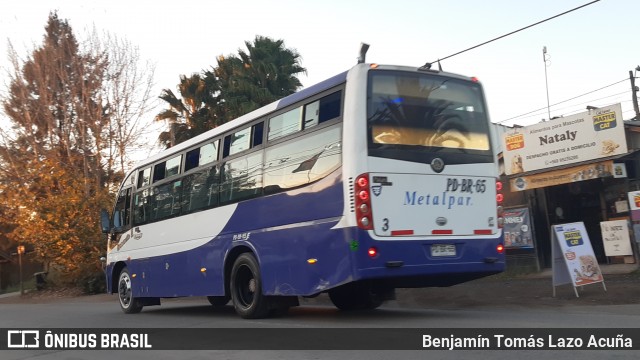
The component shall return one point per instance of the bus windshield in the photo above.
(416, 111)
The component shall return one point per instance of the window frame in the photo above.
(216, 139)
(303, 104)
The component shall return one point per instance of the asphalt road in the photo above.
(102, 312)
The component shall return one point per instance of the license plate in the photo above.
(443, 250)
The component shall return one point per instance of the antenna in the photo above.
(363, 52)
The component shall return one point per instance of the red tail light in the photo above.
(373, 252)
(363, 202)
(499, 200)
(500, 248)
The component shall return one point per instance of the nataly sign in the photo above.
(568, 140)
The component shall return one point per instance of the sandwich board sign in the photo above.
(573, 259)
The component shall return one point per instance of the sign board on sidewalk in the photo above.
(615, 236)
(517, 229)
(573, 258)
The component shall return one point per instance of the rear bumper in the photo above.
(410, 263)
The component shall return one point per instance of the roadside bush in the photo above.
(93, 283)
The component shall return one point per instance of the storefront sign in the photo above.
(582, 137)
(615, 236)
(573, 258)
(517, 229)
(562, 176)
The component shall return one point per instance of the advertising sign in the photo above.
(619, 170)
(562, 176)
(634, 205)
(615, 236)
(517, 229)
(586, 136)
(573, 258)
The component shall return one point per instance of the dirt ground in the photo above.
(524, 291)
(498, 290)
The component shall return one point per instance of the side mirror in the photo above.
(105, 222)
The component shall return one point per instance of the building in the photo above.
(579, 168)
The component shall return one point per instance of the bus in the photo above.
(381, 177)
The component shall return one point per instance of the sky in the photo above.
(588, 49)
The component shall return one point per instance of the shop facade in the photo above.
(579, 168)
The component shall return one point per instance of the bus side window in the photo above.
(144, 177)
(240, 141)
(256, 134)
(330, 106)
(325, 109)
(122, 211)
(200, 190)
(285, 124)
(241, 179)
(142, 212)
(311, 112)
(167, 200)
(192, 159)
(302, 160)
(201, 156)
(167, 168)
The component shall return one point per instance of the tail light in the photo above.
(363, 202)
(500, 248)
(499, 200)
(373, 252)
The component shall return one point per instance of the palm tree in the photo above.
(191, 114)
(264, 73)
(272, 66)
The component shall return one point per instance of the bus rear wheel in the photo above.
(246, 288)
(218, 301)
(355, 296)
(128, 303)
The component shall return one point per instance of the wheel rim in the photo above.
(246, 286)
(124, 290)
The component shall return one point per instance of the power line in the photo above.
(591, 102)
(513, 32)
(563, 101)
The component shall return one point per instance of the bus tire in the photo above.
(354, 296)
(218, 301)
(246, 288)
(128, 303)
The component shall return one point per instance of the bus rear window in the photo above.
(423, 110)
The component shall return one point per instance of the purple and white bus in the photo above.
(381, 177)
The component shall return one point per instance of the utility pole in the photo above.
(546, 58)
(634, 94)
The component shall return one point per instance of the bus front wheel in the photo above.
(128, 303)
(246, 288)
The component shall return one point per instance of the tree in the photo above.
(75, 109)
(264, 73)
(191, 115)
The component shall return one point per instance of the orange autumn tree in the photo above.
(75, 110)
